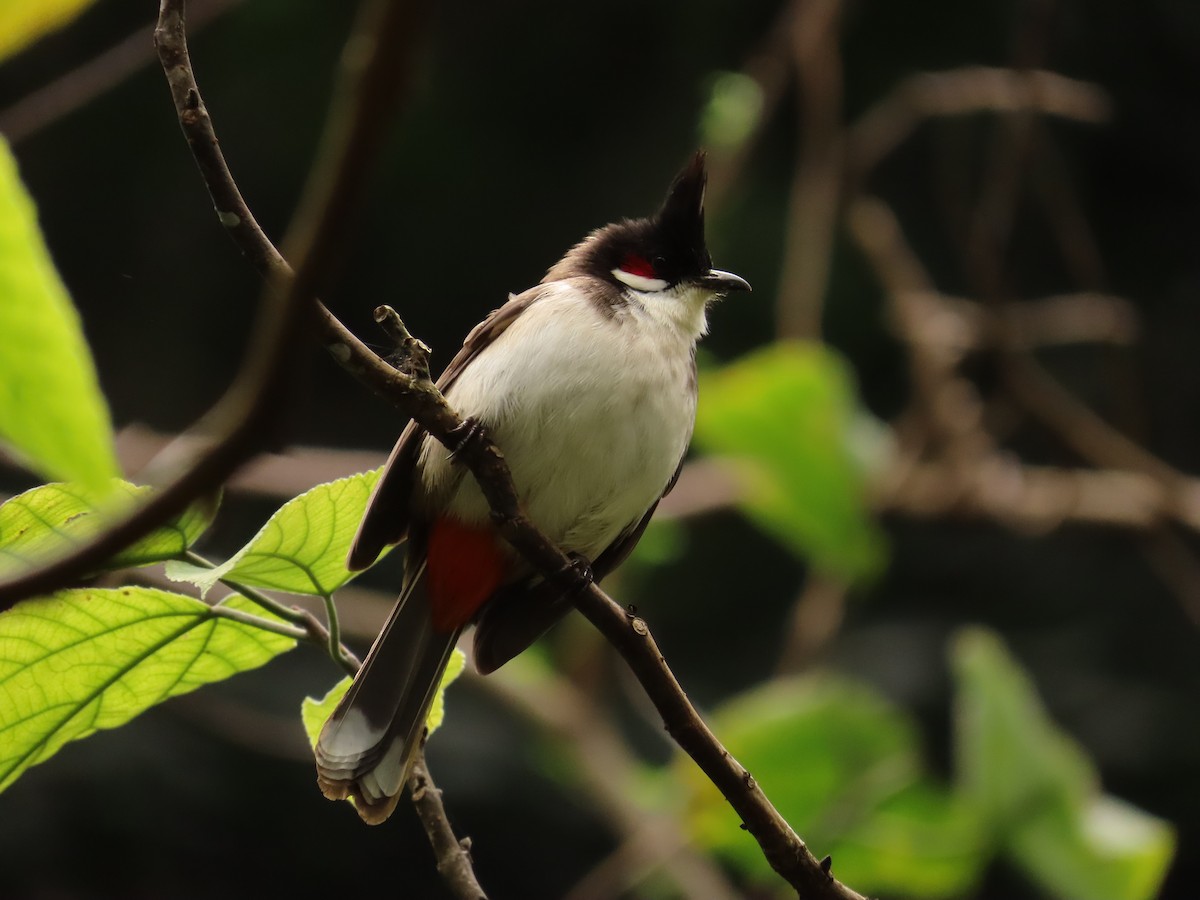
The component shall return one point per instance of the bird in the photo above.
(586, 382)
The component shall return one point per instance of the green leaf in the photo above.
(787, 417)
(82, 660)
(302, 548)
(48, 521)
(52, 413)
(22, 23)
(1038, 790)
(733, 111)
(843, 767)
(314, 713)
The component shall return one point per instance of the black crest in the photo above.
(668, 245)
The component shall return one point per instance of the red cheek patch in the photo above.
(638, 265)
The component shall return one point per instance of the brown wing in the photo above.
(386, 520)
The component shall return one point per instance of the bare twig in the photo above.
(453, 854)
(241, 225)
(376, 61)
(787, 854)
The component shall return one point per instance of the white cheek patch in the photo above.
(639, 282)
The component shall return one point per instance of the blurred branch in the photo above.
(282, 475)
(948, 407)
(816, 616)
(769, 66)
(958, 92)
(649, 840)
(1035, 498)
(817, 177)
(98, 75)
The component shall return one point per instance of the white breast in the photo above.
(592, 411)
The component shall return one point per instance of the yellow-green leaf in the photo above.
(49, 520)
(302, 547)
(82, 660)
(52, 413)
(1039, 791)
(787, 417)
(24, 21)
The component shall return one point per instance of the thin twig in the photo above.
(453, 855)
(376, 59)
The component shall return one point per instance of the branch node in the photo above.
(412, 354)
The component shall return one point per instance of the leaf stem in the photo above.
(271, 605)
(245, 618)
(337, 652)
(311, 630)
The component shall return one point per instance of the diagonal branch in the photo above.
(419, 397)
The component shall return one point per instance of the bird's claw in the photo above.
(462, 436)
(577, 575)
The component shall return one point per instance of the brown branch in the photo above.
(376, 63)
(783, 849)
(453, 855)
(243, 228)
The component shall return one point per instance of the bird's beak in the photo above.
(720, 282)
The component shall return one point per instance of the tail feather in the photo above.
(368, 745)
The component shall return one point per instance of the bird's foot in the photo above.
(471, 431)
(576, 576)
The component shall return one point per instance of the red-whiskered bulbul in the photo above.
(587, 384)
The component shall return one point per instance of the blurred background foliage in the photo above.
(933, 571)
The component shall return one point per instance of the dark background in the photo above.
(530, 123)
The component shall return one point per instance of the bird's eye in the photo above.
(638, 273)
